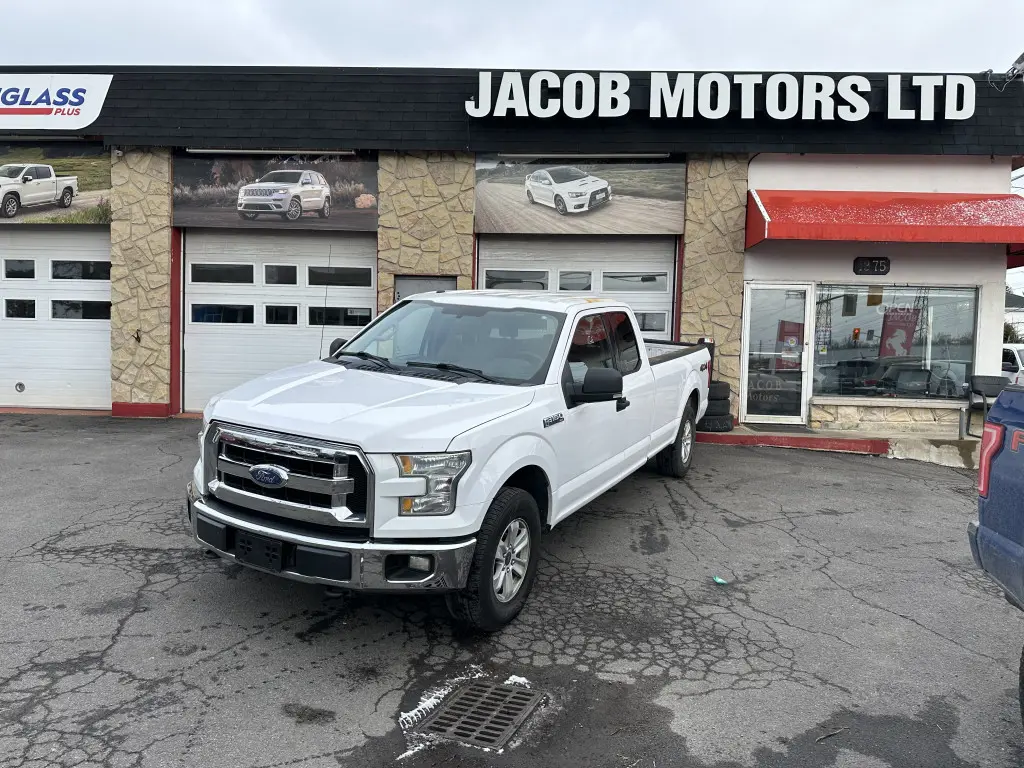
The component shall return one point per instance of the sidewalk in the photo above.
(947, 452)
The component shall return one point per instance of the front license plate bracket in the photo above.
(259, 551)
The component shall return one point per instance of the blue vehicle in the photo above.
(997, 536)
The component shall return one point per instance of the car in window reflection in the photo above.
(944, 378)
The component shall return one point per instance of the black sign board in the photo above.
(871, 265)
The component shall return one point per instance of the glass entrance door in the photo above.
(775, 376)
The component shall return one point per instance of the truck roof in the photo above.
(521, 299)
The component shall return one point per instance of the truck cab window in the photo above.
(590, 348)
(625, 342)
(40, 172)
(1010, 361)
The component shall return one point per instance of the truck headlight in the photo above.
(442, 472)
(577, 194)
(281, 191)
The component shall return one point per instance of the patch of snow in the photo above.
(517, 680)
(412, 751)
(434, 696)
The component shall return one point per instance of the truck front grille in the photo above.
(259, 192)
(327, 484)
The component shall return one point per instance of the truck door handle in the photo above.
(621, 404)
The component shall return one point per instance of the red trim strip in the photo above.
(899, 217)
(26, 110)
(869, 446)
(176, 299)
(140, 410)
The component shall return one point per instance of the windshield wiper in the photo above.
(370, 356)
(454, 369)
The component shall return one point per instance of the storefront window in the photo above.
(881, 341)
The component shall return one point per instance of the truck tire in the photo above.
(481, 605)
(719, 390)
(325, 209)
(64, 201)
(715, 424)
(674, 459)
(717, 408)
(10, 206)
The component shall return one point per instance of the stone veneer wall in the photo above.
(140, 276)
(425, 204)
(712, 290)
(886, 419)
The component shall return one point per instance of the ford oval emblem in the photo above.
(268, 475)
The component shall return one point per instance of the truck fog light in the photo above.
(423, 563)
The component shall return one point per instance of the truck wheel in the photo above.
(294, 212)
(325, 211)
(715, 424)
(504, 563)
(719, 390)
(9, 207)
(674, 459)
(247, 216)
(65, 198)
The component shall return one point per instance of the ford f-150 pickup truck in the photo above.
(23, 185)
(997, 536)
(430, 451)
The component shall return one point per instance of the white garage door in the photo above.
(55, 319)
(638, 271)
(257, 302)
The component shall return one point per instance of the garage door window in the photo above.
(19, 269)
(351, 316)
(222, 313)
(648, 282)
(654, 322)
(80, 270)
(20, 309)
(280, 274)
(222, 273)
(282, 315)
(80, 310)
(348, 277)
(572, 280)
(516, 279)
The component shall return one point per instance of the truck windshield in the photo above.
(511, 345)
(282, 177)
(11, 171)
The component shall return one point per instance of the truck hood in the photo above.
(379, 412)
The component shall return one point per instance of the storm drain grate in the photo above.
(482, 714)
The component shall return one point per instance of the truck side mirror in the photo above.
(336, 345)
(600, 385)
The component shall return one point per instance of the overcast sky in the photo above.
(759, 35)
(854, 35)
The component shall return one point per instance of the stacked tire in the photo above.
(718, 417)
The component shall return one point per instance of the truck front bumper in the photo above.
(364, 566)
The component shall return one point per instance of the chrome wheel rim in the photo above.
(294, 210)
(511, 560)
(12, 207)
(686, 445)
(560, 205)
(327, 208)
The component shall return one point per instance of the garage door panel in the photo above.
(236, 331)
(55, 319)
(608, 267)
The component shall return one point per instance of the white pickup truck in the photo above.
(430, 452)
(23, 185)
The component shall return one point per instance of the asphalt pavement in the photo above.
(853, 628)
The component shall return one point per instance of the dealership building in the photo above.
(843, 238)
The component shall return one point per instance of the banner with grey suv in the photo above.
(579, 196)
(54, 183)
(329, 192)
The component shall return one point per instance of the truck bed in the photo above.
(659, 351)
